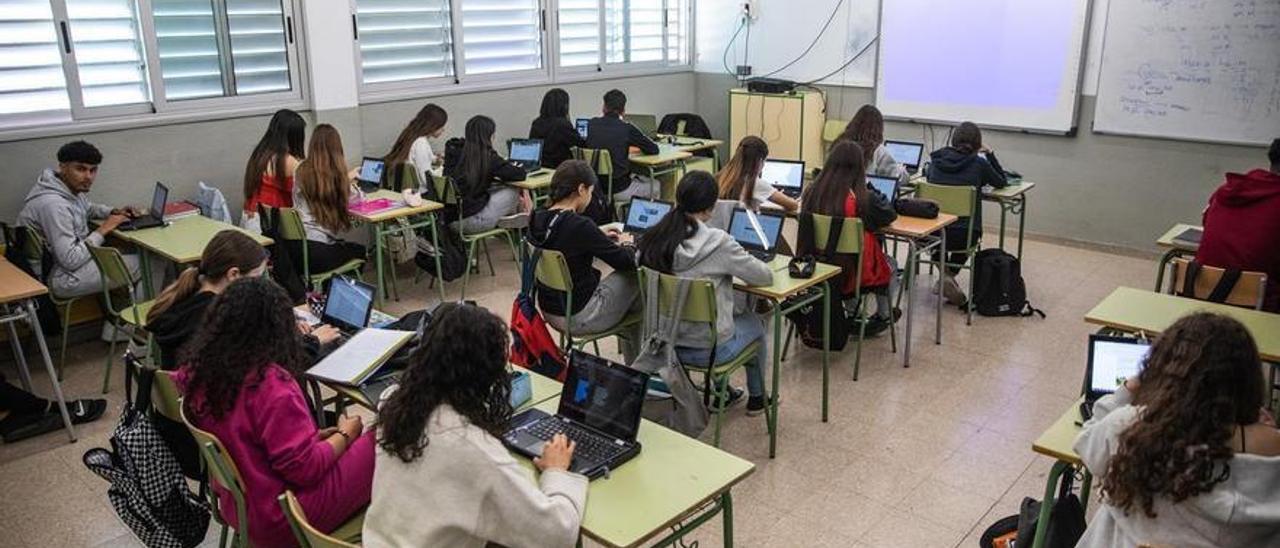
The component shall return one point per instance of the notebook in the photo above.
(360, 357)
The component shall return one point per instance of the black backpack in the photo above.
(998, 289)
(808, 318)
(449, 248)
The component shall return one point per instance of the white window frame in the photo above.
(71, 70)
(402, 88)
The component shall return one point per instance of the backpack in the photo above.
(808, 318)
(998, 289)
(148, 490)
(532, 346)
(1066, 517)
(283, 270)
(402, 242)
(449, 248)
(1001, 534)
(676, 403)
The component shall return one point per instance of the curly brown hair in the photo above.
(1201, 381)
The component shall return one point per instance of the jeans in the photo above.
(747, 328)
(503, 201)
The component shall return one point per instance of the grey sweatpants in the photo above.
(614, 297)
(503, 201)
(641, 186)
(86, 280)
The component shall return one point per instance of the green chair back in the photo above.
(291, 227)
(956, 200)
(699, 304)
(603, 166)
(308, 536)
(646, 123)
(165, 397)
(832, 130)
(34, 248)
(850, 239)
(552, 271)
(681, 127)
(401, 177)
(222, 472)
(446, 190)
(115, 274)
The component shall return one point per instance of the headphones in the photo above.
(802, 267)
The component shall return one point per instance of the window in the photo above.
(107, 53)
(403, 40)
(31, 78)
(633, 31)
(501, 35)
(578, 22)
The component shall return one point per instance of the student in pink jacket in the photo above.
(240, 381)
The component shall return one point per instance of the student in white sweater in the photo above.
(867, 129)
(414, 145)
(441, 476)
(740, 179)
(1185, 452)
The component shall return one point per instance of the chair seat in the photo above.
(349, 266)
(350, 531)
(627, 321)
(491, 233)
(142, 309)
(748, 352)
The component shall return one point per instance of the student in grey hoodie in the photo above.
(1185, 453)
(57, 207)
(683, 244)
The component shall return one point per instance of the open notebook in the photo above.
(360, 357)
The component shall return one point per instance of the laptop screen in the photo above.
(762, 234)
(602, 395)
(371, 170)
(158, 200)
(1112, 360)
(783, 174)
(886, 185)
(645, 213)
(646, 123)
(348, 304)
(905, 152)
(582, 124)
(526, 150)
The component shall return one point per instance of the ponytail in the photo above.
(228, 249)
(186, 285)
(695, 194)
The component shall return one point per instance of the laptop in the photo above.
(906, 153)
(643, 213)
(786, 176)
(888, 186)
(600, 407)
(646, 123)
(757, 232)
(1112, 360)
(582, 124)
(370, 175)
(153, 217)
(348, 305)
(526, 153)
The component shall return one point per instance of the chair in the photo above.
(166, 399)
(700, 308)
(552, 271)
(601, 162)
(345, 536)
(446, 190)
(292, 230)
(133, 316)
(849, 242)
(222, 472)
(961, 201)
(832, 129)
(1248, 291)
(34, 252)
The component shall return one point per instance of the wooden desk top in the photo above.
(182, 241)
(918, 227)
(537, 180)
(401, 210)
(1167, 239)
(1129, 309)
(693, 144)
(666, 154)
(1010, 192)
(16, 285)
(784, 285)
(1060, 439)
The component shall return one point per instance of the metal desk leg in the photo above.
(1022, 221)
(726, 504)
(19, 356)
(1003, 211)
(909, 287)
(147, 285)
(377, 261)
(34, 322)
(777, 366)
(1046, 504)
(435, 244)
(826, 346)
(942, 271)
(1163, 264)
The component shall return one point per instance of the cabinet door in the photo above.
(774, 118)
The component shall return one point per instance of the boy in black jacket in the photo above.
(616, 135)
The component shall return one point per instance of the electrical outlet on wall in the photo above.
(750, 9)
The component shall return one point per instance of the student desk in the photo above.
(380, 227)
(785, 287)
(1058, 442)
(668, 161)
(543, 389)
(1133, 310)
(676, 483)
(180, 242)
(17, 304)
(1174, 248)
(694, 144)
(919, 233)
(1011, 199)
(535, 183)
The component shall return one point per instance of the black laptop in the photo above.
(786, 176)
(906, 153)
(758, 233)
(1112, 360)
(153, 217)
(888, 186)
(582, 124)
(348, 305)
(643, 213)
(600, 407)
(526, 153)
(371, 173)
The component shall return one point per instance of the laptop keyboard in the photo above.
(591, 447)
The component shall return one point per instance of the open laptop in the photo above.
(646, 123)
(786, 176)
(526, 153)
(888, 186)
(582, 124)
(757, 232)
(643, 213)
(906, 153)
(600, 405)
(1112, 360)
(371, 172)
(348, 305)
(153, 217)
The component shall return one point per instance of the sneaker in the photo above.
(735, 396)
(875, 326)
(951, 291)
(756, 405)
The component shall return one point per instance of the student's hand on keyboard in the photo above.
(557, 454)
(326, 333)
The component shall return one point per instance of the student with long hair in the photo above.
(967, 162)
(240, 383)
(598, 304)
(414, 145)
(841, 190)
(682, 244)
(867, 129)
(480, 173)
(325, 186)
(556, 130)
(1186, 454)
(443, 477)
(740, 178)
(268, 176)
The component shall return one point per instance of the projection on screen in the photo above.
(1005, 63)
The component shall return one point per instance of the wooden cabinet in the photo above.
(791, 123)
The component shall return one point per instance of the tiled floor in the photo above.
(927, 456)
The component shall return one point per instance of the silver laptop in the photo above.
(786, 176)
(906, 153)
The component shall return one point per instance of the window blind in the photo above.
(259, 53)
(108, 52)
(404, 40)
(579, 27)
(31, 78)
(187, 44)
(501, 35)
(634, 30)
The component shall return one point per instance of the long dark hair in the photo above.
(555, 104)
(228, 249)
(867, 129)
(462, 362)
(477, 148)
(1201, 380)
(286, 136)
(695, 194)
(842, 173)
(568, 177)
(248, 327)
(429, 120)
(322, 180)
(967, 138)
(738, 178)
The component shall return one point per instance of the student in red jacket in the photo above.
(1242, 225)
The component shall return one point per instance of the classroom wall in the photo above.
(1093, 189)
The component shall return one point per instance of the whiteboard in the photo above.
(1200, 70)
(999, 63)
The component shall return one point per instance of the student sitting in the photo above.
(24, 415)
(841, 191)
(240, 382)
(443, 477)
(682, 244)
(268, 176)
(965, 163)
(612, 133)
(59, 210)
(479, 173)
(740, 179)
(413, 144)
(867, 129)
(1185, 452)
(1242, 226)
(557, 132)
(324, 187)
(598, 305)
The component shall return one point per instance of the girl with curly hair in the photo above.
(1186, 454)
(443, 477)
(240, 383)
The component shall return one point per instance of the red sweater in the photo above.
(1242, 228)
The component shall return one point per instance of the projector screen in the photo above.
(1001, 63)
